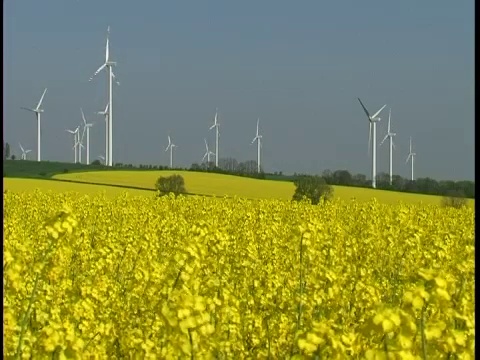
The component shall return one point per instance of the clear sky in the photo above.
(297, 65)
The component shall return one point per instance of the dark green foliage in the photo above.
(13, 157)
(96, 162)
(171, 184)
(314, 188)
(454, 198)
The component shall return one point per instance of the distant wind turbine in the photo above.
(24, 152)
(390, 136)
(372, 135)
(101, 157)
(216, 125)
(207, 153)
(37, 112)
(75, 143)
(411, 157)
(105, 113)
(258, 139)
(87, 126)
(108, 64)
(170, 147)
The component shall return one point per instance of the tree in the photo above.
(314, 188)
(13, 157)
(170, 184)
(342, 177)
(455, 199)
(6, 153)
(96, 162)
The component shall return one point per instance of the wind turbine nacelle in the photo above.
(111, 63)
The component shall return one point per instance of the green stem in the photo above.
(18, 353)
(422, 331)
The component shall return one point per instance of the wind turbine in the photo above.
(108, 64)
(390, 136)
(372, 133)
(24, 152)
(216, 125)
(101, 157)
(87, 126)
(207, 153)
(105, 113)
(411, 156)
(37, 112)
(258, 139)
(170, 146)
(75, 133)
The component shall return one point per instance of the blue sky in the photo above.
(298, 66)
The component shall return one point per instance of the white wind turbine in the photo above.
(75, 143)
(87, 126)
(390, 136)
(411, 156)
(108, 64)
(170, 147)
(101, 157)
(258, 139)
(105, 113)
(37, 112)
(24, 152)
(207, 153)
(372, 133)
(216, 125)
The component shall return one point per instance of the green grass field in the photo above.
(28, 175)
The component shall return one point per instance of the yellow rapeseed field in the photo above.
(229, 185)
(201, 278)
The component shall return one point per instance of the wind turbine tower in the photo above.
(216, 125)
(411, 156)
(109, 65)
(87, 126)
(258, 139)
(105, 113)
(37, 112)
(372, 135)
(170, 147)
(390, 136)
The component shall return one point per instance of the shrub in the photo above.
(96, 162)
(170, 184)
(313, 188)
(455, 199)
(65, 171)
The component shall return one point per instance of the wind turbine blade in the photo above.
(107, 45)
(113, 76)
(393, 145)
(106, 107)
(204, 156)
(24, 108)
(364, 108)
(96, 72)
(379, 111)
(389, 118)
(41, 99)
(21, 147)
(410, 144)
(258, 120)
(83, 116)
(27, 151)
(385, 138)
(408, 158)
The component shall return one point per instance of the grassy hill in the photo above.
(66, 177)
